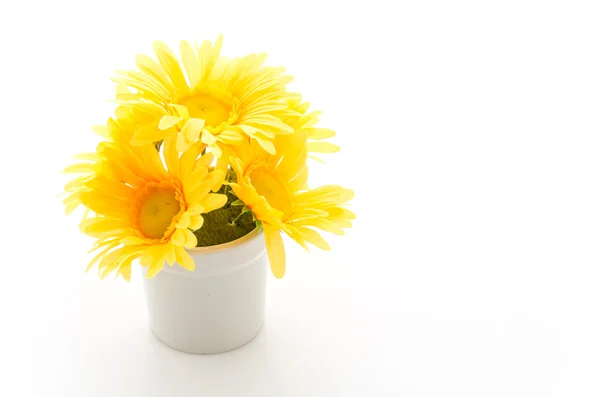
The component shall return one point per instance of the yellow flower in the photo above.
(219, 101)
(274, 188)
(142, 208)
(305, 123)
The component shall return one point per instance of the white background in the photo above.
(470, 134)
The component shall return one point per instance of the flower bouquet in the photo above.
(202, 167)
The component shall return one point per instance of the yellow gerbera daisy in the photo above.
(211, 98)
(305, 122)
(142, 208)
(274, 188)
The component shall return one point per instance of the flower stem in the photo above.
(226, 191)
(237, 218)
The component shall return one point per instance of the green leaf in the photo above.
(218, 228)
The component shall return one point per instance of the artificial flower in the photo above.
(274, 188)
(206, 97)
(144, 206)
(304, 122)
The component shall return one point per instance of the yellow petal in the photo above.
(151, 109)
(182, 144)
(231, 137)
(346, 195)
(319, 133)
(106, 184)
(199, 192)
(342, 222)
(197, 222)
(79, 168)
(71, 203)
(154, 257)
(190, 240)
(266, 134)
(125, 272)
(184, 222)
(155, 268)
(170, 64)
(322, 147)
(190, 63)
(208, 138)
(323, 224)
(108, 246)
(205, 160)
(212, 201)
(110, 258)
(195, 209)
(248, 130)
(219, 173)
(141, 82)
(127, 254)
(152, 254)
(192, 129)
(187, 161)
(193, 180)
(148, 133)
(122, 112)
(178, 237)
(104, 205)
(149, 66)
(132, 240)
(314, 238)
(184, 259)
(216, 150)
(339, 212)
(265, 144)
(294, 233)
(171, 156)
(86, 157)
(122, 89)
(275, 250)
(167, 122)
(181, 111)
(272, 123)
(97, 227)
(102, 131)
(76, 184)
(217, 178)
(326, 193)
(170, 254)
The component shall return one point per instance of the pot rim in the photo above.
(221, 259)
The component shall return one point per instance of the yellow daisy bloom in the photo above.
(206, 97)
(144, 206)
(274, 188)
(305, 122)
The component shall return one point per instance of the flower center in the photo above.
(157, 209)
(211, 109)
(270, 187)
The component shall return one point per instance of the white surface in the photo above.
(470, 131)
(218, 307)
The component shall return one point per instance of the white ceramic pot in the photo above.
(216, 308)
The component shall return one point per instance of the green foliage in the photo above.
(219, 228)
(226, 224)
